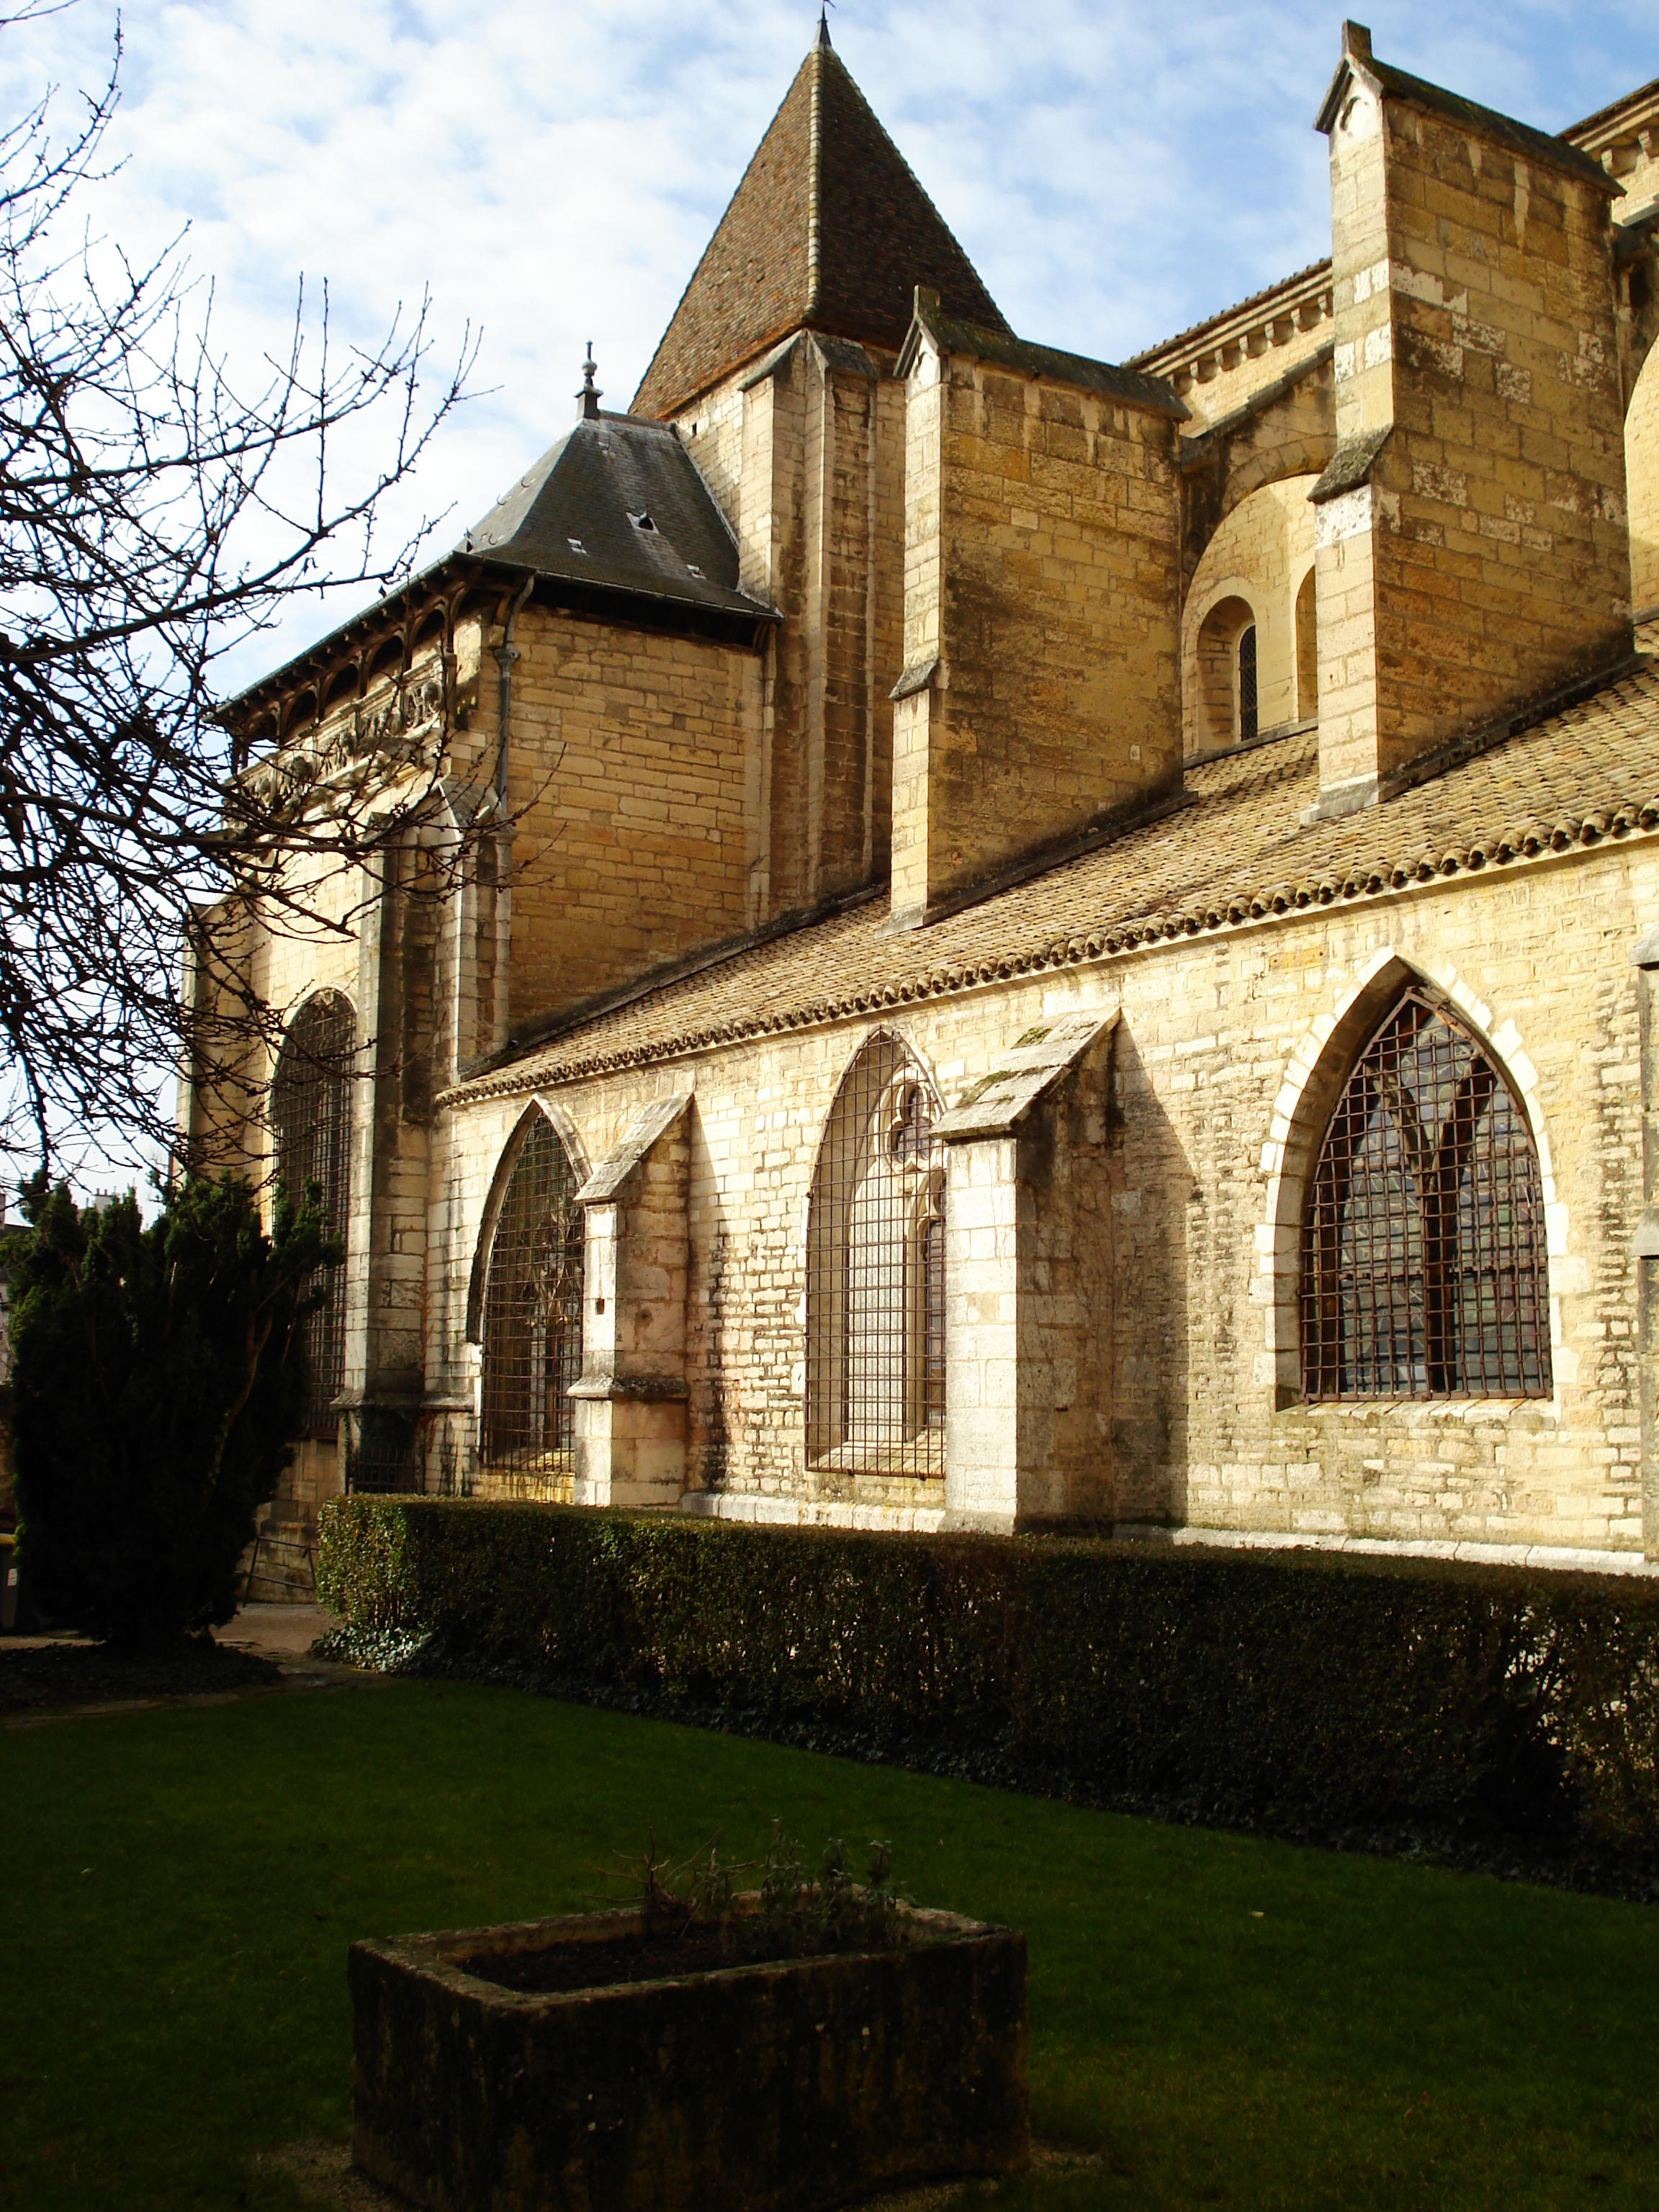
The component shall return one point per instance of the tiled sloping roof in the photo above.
(607, 471)
(878, 236)
(1233, 853)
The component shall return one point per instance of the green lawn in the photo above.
(1228, 2022)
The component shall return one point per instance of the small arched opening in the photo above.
(310, 1140)
(1307, 650)
(1226, 650)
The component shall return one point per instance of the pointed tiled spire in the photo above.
(828, 230)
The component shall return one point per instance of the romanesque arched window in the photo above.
(532, 1315)
(1246, 693)
(311, 1133)
(1424, 1266)
(875, 1273)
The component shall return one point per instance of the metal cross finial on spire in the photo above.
(589, 398)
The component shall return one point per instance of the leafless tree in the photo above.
(157, 509)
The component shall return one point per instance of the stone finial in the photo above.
(589, 398)
(1356, 42)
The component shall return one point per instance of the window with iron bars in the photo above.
(311, 1133)
(875, 1274)
(1248, 718)
(533, 1320)
(1424, 1271)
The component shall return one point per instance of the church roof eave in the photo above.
(654, 548)
(1231, 857)
(952, 335)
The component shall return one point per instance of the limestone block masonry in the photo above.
(630, 1396)
(882, 680)
(1473, 541)
(1183, 1418)
(1041, 617)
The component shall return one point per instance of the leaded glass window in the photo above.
(1424, 1271)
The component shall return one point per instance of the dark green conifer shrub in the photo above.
(159, 1380)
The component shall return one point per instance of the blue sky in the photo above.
(552, 171)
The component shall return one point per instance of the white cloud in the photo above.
(552, 173)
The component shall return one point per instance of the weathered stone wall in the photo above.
(1642, 473)
(633, 778)
(1484, 559)
(1228, 360)
(1042, 575)
(808, 464)
(1209, 1065)
(1031, 1294)
(1262, 553)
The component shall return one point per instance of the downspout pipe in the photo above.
(505, 654)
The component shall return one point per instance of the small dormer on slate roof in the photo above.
(614, 520)
(827, 231)
(616, 505)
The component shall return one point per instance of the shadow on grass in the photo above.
(1215, 2019)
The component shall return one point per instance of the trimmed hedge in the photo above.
(1304, 1693)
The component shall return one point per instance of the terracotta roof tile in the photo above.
(1234, 854)
(844, 189)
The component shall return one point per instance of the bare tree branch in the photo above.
(156, 511)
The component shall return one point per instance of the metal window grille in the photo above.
(311, 1129)
(385, 1450)
(875, 1274)
(532, 1326)
(1424, 1266)
(933, 1256)
(1247, 713)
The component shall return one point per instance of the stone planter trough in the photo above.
(785, 2086)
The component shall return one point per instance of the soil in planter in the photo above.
(655, 1958)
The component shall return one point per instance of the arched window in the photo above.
(1221, 657)
(1307, 650)
(311, 1133)
(875, 1273)
(532, 1316)
(1424, 1266)
(1247, 714)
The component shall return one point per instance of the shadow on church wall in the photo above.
(1153, 1192)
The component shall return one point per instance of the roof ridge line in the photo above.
(814, 182)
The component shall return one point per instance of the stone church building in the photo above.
(1036, 943)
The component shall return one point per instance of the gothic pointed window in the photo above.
(311, 1133)
(532, 1317)
(875, 1275)
(1424, 1261)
